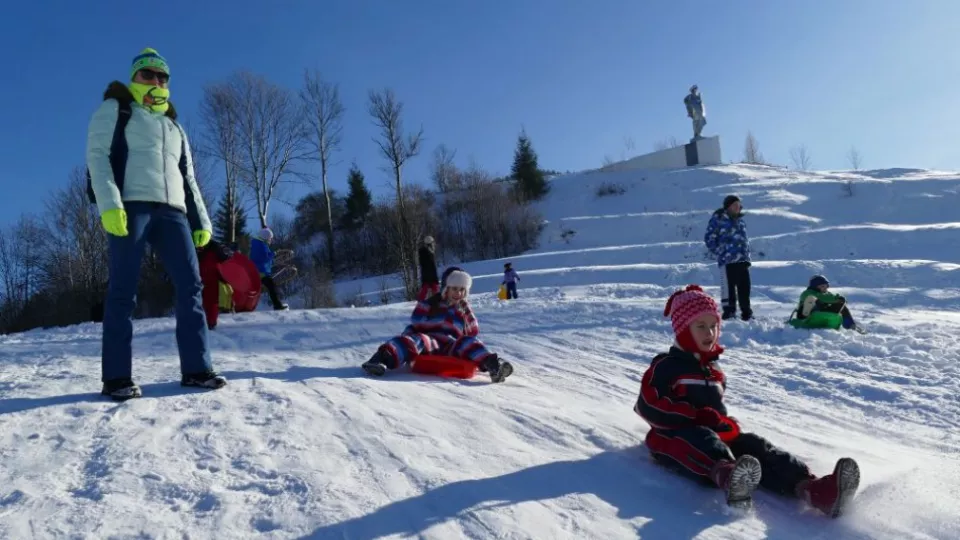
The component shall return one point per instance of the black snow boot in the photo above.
(497, 369)
(121, 389)
(206, 379)
(375, 365)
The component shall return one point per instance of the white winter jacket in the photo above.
(155, 146)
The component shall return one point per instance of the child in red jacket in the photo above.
(442, 324)
(681, 397)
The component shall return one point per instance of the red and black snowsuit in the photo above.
(676, 393)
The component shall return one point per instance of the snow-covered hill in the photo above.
(302, 445)
(855, 227)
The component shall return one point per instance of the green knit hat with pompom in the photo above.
(149, 58)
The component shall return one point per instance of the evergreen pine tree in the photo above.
(530, 181)
(221, 221)
(359, 200)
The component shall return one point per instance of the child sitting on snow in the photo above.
(442, 324)
(681, 397)
(818, 308)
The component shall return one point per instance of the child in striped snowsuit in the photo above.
(442, 324)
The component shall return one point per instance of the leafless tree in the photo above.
(20, 268)
(76, 254)
(324, 112)
(443, 170)
(800, 156)
(268, 136)
(751, 150)
(397, 148)
(664, 144)
(854, 158)
(629, 145)
(221, 140)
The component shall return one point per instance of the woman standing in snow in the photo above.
(141, 176)
(442, 324)
(681, 397)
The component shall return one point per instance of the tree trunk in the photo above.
(326, 196)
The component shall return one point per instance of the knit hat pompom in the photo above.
(687, 304)
(149, 58)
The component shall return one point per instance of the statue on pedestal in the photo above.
(696, 111)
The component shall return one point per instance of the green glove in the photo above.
(115, 221)
(201, 238)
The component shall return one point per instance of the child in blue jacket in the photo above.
(262, 256)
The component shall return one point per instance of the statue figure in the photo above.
(696, 111)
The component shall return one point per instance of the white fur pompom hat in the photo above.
(458, 278)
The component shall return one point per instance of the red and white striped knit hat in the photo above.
(686, 305)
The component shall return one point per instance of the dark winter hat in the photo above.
(507, 265)
(817, 281)
(728, 200)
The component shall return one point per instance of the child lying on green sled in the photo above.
(821, 309)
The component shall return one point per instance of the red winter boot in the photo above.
(738, 479)
(831, 494)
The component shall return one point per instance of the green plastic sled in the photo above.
(819, 319)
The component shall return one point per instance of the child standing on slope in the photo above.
(262, 256)
(681, 397)
(442, 324)
(510, 279)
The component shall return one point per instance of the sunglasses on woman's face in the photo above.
(150, 75)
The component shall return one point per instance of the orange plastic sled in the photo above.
(444, 366)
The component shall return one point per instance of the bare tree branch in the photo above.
(324, 112)
(800, 156)
(854, 158)
(268, 137)
(751, 150)
(397, 148)
(444, 172)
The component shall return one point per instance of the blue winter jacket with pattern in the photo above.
(726, 238)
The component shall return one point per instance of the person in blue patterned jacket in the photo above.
(726, 239)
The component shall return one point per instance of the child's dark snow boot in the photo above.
(207, 379)
(121, 389)
(738, 479)
(375, 365)
(831, 494)
(497, 369)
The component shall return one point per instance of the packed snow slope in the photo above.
(859, 228)
(302, 445)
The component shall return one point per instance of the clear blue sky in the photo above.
(579, 75)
